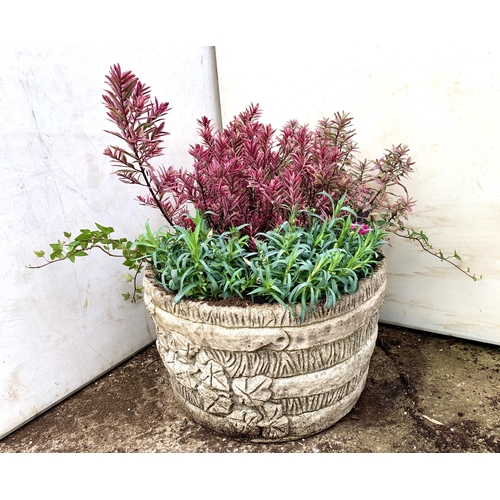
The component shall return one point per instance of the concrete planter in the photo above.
(256, 372)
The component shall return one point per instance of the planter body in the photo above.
(255, 371)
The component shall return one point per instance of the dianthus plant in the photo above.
(250, 174)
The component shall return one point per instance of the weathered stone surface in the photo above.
(256, 371)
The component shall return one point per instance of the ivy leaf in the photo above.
(105, 230)
(245, 420)
(253, 391)
(274, 424)
(215, 401)
(185, 373)
(213, 375)
(57, 247)
(182, 346)
(39, 253)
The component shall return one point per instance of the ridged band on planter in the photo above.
(256, 371)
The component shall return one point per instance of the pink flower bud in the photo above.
(362, 228)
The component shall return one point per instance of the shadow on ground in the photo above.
(424, 393)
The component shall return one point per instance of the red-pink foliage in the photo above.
(248, 173)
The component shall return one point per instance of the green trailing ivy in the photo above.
(102, 239)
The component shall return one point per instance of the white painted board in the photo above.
(66, 324)
(443, 100)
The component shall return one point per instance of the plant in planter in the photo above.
(265, 286)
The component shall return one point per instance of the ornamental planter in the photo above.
(255, 371)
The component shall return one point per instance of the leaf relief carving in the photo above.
(212, 374)
(182, 346)
(245, 420)
(184, 372)
(215, 401)
(274, 424)
(162, 344)
(253, 391)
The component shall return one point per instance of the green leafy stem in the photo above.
(423, 240)
(130, 252)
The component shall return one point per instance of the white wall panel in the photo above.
(443, 100)
(66, 324)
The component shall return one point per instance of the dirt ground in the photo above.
(425, 393)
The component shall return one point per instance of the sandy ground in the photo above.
(424, 394)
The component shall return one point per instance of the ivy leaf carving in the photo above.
(169, 357)
(274, 424)
(180, 367)
(245, 420)
(271, 411)
(213, 375)
(277, 429)
(253, 391)
(182, 346)
(215, 401)
(203, 357)
(164, 349)
(184, 372)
